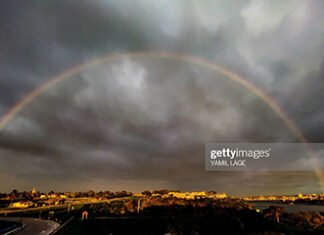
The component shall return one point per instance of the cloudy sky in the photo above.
(139, 123)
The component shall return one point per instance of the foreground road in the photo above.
(33, 226)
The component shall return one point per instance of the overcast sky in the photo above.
(141, 123)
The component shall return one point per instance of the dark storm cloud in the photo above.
(39, 40)
(105, 126)
(308, 104)
(146, 120)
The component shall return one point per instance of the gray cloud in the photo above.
(145, 120)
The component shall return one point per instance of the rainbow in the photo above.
(190, 59)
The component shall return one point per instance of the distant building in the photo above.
(196, 195)
(21, 204)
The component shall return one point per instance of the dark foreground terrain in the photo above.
(148, 215)
(161, 216)
(222, 222)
